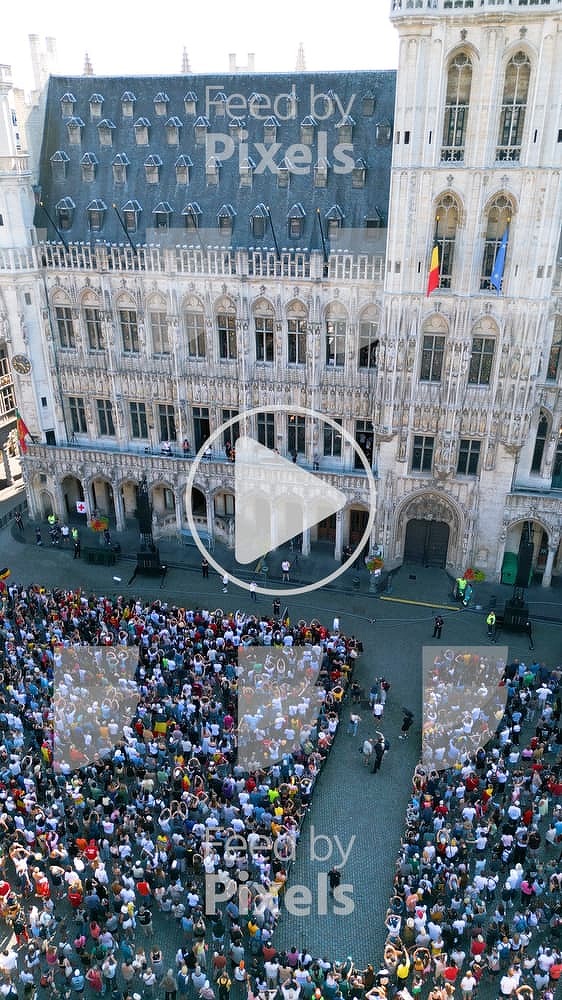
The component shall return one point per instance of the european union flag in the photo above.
(496, 276)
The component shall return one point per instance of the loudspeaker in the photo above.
(524, 563)
(148, 561)
(515, 614)
(144, 513)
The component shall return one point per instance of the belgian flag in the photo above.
(433, 277)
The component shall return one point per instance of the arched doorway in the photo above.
(198, 503)
(427, 542)
(46, 503)
(72, 491)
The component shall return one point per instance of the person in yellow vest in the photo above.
(491, 623)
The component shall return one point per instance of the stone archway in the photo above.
(430, 524)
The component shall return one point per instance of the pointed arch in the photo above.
(457, 101)
(513, 106)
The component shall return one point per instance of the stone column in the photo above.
(306, 542)
(547, 574)
(339, 536)
(210, 503)
(179, 514)
(7, 469)
(119, 509)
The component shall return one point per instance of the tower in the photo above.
(476, 173)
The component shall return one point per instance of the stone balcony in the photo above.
(409, 8)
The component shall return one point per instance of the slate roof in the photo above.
(252, 100)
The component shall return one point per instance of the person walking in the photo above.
(437, 626)
(379, 751)
(38, 538)
(19, 520)
(285, 567)
(529, 631)
(491, 623)
(406, 723)
(225, 583)
(205, 569)
(253, 594)
(77, 548)
(276, 607)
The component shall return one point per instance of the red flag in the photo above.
(433, 278)
(22, 432)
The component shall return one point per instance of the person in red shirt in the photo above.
(450, 973)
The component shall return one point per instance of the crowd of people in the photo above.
(128, 817)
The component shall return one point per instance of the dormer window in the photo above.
(96, 214)
(192, 216)
(219, 103)
(59, 160)
(163, 215)
(183, 166)
(212, 169)
(368, 104)
(344, 129)
(173, 126)
(65, 213)
(255, 102)
(190, 103)
(152, 166)
(372, 223)
(96, 106)
(308, 130)
(283, 172)
(225, 219)
(119, 166)
(105, 132)
(201, 127)
(358, 174)
(270, 127)
(321, 173)
(67, 103)
(383, 133)
(247, 168)
(131, 211)
(142, 126)
(74, 128)
(128, 104)
(295, 220)
(334, 221)
(88, 165)
(236, 127)
(258, 221)
(161, 102)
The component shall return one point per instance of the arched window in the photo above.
(540, 441)
(368, 338)
(433, 349)
(457, 99)
(446, 222)
(297, 327)
(264, 318)
(499, 216)
(194, 324)
(226, 329)
(484, 336)
(336, 329)
(513, 107)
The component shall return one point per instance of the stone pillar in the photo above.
(210, 503)
(547, 574)
(306, 542)
(119, 509)
(179, 514)
(339, 536)
(7, 469)
(499, 560)
(60, 508)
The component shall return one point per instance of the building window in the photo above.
(96, 212)
(226, 325)
(105, 132)
(358, 173)
(88, 165)
(432, 358)
(231, 433)
(321, 173)
(183, 165)
(258, 227)
(365, 439)
(481, 358)
(65, 213)
(553, 368)
(94, 328)
(513, 107)
(119, 167)
(540, 442)
(129, 330)
(192, 216)
(159, 329)
(446, 222)
(295, 221)
(201, 426)
(283, 172)
(141, 131)
(335, 343)
(167, 418)
(224, 505)
(296, 434)
(499, 217)
(128, 104)
(106, 427)
(457, 100)
(77, 412)
(469, 454)
(264, 338)
(173, 126)
(266, 429)
(7, 401)
(152, 166)
(131, 211)
(332, 440)
(368, 344)
(195, 333)
(296, 341)
(422, 454)
(139, 423)
(65, 325)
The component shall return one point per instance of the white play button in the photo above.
(275, 500)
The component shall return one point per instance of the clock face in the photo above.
(21, 364)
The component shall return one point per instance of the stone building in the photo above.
(187, 248)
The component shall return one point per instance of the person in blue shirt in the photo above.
(77, 981)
